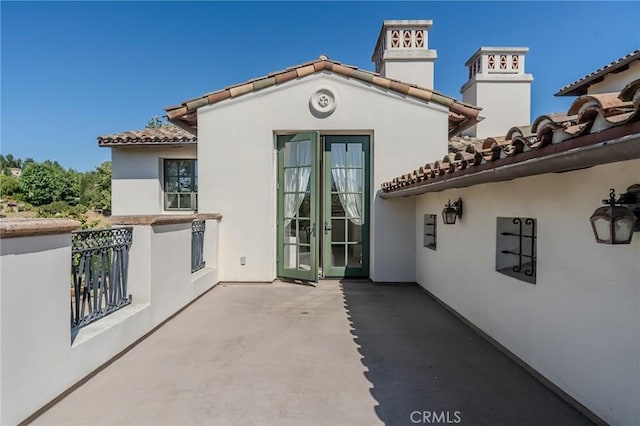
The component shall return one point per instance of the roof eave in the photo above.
(579, 87)
(185, 126)
(186, 113)
(134, 144)
(609, 146)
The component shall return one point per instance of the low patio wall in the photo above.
(38, 359)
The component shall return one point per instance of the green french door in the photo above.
(298, 207)
(323, 206)
(346, 206)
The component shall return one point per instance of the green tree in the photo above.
(157, 122)
(154, 123)
(9, 185)
(95, 188)
(43, 183)
(8, 162)
(101, 200)
(39, 184)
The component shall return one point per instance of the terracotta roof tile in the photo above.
(460, 114)
(588, 115)
(215, 97)
(236, 91)
(631, 94)
(579, 87)
(168, 135)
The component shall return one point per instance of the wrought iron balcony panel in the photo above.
(99, 270)
(197, 244)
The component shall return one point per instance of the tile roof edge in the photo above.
(588, 115)
(600, 72)
(148, 136)
(411, 183)
(320, 65)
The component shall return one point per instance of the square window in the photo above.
(430, 231)
(516, 241)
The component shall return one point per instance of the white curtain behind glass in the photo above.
(297, 182)
(348, 180)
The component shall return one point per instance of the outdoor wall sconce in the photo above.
(616, 223)
(452, 211)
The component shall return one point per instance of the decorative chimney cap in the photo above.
(496, 51)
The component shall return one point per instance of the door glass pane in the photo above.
(290, 255)
(290, 154)
(354, 155)
(355, 232)
(305, 206)
(304, 260)
(338, 155)
(337, 255)
(355, 256)
(336, 206)
(304, 231)
(290, 180)
(304, 179)
(353, 180)
(337, 230)
(304, 153)
(290, 201)
(290, 231)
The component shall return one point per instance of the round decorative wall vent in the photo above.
(322, 102)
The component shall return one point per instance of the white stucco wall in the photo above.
(137, 178)
(38, 359)
(414, 71)
(616, 82)
(504, 104)
(579, 326)
(237, 166)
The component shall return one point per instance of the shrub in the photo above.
(9, 185)
(55, 209)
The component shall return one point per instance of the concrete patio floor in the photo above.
(351, 353)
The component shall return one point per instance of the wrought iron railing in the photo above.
(99, 267)
(197, 244)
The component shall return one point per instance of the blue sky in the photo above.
(73, 71)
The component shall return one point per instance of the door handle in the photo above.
(327, 228)
(313, 230)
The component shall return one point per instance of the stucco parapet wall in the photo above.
(12, 228)
(162, 219)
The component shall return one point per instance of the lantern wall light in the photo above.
(616, 222)
(452, 211)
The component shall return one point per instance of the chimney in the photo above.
(402, 52)
(497, 83)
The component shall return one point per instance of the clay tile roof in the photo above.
(579, 87)
(591, 121)
(460, 143)
(167, 135)
(461, 115)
